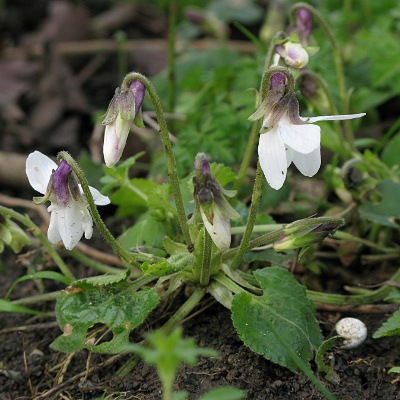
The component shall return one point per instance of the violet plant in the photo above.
(273, 314)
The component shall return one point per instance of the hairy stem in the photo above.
(171, 163)
(119, 250)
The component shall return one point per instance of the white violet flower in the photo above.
(286, 137)
(70, 217)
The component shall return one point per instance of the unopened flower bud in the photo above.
(306, 232)
(124, 111)
(294, 54)
(212, 208)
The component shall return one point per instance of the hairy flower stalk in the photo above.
(70, 216)
(285, 136)
(211, 205)
(124, 111)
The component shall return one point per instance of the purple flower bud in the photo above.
(277, 79)
(304, 24)
(60, 182)
(138, 90)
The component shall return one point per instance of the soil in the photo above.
(29, 112)
(24, 349)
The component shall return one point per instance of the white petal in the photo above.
(87, 223)
(219, 230)
(98, 198)
(53, 234)
(69, 223)
(115, 139)
(272, 155)
(307, 164)
(38, 170)
(302, 138)
(332, 117)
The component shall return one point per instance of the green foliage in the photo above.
(216, 101)
(387, 211)
(116, 306)
(390, 327)
(283, 314)
(167, 352)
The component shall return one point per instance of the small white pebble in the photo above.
(353, 331)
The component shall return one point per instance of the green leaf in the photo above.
(103, 280)
(223, 393)
(168, 267)
(7, 306)
(118, 307)
(148, 231)
(386, 212)
(389, 328)
(283, 310)
(390, 155)
(394, 370)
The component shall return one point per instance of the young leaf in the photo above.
(118, 307)
(283, 310)
(390, 327)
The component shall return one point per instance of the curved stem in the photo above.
(171, 163)
(337, 56)
(255, 201)
(91, 263)
(35, 230)
(63, 155)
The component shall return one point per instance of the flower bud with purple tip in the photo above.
(124, 111)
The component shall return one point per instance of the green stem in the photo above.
(372, 297)
(205, 270)
(248, 154)
(184, 309)
(97, 266)
(35, 230)
(171, 55)
(39, 298)
(348, 236)
(119, 250)
(337, 56)
(262, 240)
(255, 201)
(228, 283)
(257, 228)
(171, 163)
